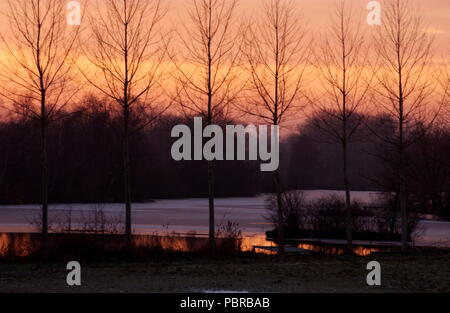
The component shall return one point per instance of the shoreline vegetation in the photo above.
(26, 247)
(312, 226)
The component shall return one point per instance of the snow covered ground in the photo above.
(186, 215)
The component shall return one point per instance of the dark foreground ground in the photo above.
(319, 273)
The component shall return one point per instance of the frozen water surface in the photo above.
(186, 215)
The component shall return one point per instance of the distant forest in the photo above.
(85, 161)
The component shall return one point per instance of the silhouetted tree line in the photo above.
(313, 162)
(85, 161)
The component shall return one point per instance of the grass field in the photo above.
(319, 273)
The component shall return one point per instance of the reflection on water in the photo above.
(23, 244)
(172, 242)
(260, 240)
(358, 250)
(15, 245)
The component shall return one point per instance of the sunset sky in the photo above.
(315, 12)
(316, 15)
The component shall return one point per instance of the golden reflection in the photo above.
(260, 240)
(15, 245)
(23, 244)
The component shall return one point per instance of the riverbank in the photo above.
(188, 216)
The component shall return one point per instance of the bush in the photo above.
(229, 238)
(328, 217)
(293, 212)
(388, 217)
(93, 221)
(325, 218)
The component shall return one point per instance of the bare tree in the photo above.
(38, 70)
(444, 86)
(276, 58)
(206, 71)
(341, 62)
(126, 51)
(404, 83)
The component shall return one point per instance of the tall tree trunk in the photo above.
(348, 207)
(402, 170)
(278, 190)
(44, 156)
(395, 207)
(44, 178)
(126, 173)
(211, 182)
(276, 119)
(126, 134)
(403, 203)
(212, 224)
